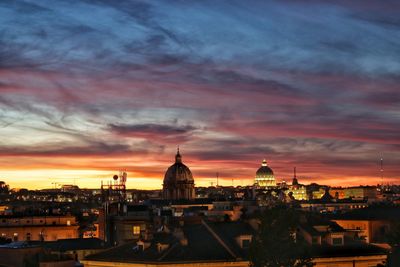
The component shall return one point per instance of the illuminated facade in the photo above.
(265, 176)
(356, 192)
(39, 228)
(178, 181)
(297, 191)
(318, 194)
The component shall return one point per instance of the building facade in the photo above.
(39, 228)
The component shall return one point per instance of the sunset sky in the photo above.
(88, 88)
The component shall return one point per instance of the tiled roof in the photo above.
(372, 213)
(202, 246)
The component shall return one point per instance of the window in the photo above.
(136, 230)
(28, 236)
(315, 240)
(245, 243)
(382, 230)
(15, 237)
(337, 241)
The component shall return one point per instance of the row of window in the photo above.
(28, 236)
(28, 221)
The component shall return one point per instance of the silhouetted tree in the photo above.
(394, 242)
(276, 243)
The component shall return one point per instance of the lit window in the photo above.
(136, 230)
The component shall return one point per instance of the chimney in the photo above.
(184, 241)
(179, 234)
(142, 245)
(162, 247)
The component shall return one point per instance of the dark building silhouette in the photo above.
(178, 181)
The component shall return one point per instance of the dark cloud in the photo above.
(384, 99)
(97, 149)
(151, 130)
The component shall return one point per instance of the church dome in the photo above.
(264, 171)
(265, 176)
(178, 172)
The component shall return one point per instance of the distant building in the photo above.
(355, 192)
(296, 190)
(371, 224)
(337, 192)
(265, 176)
(368, 192)
(69, 188)
(315, 191)
(38, 228)
(178, 181)
(322, 206)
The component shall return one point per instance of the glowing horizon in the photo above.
(92, 179)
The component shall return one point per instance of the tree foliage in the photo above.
(394, 241)
(277, 243)
(394, 235)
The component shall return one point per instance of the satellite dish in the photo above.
(115, 177)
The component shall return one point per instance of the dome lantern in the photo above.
(178, 157)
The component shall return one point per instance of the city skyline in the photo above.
(96, 87)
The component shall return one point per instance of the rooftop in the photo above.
(202, 246)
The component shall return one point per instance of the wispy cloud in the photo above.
(308, 83)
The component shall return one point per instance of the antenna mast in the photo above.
(382, 170)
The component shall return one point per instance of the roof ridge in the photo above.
(220, 241)
(167, 252)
